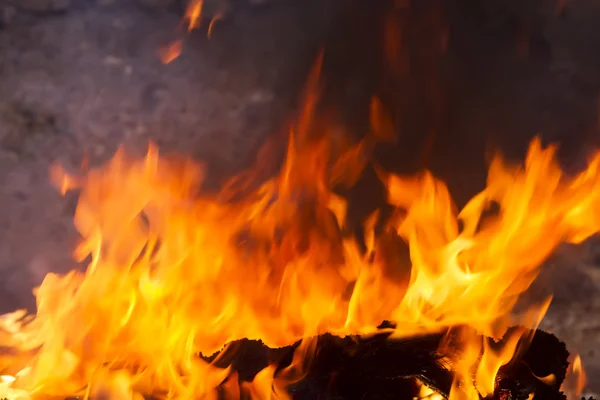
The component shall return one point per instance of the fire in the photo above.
(192, 19)
(173, 271)
(580, 373)
(426, 393)
(576, 379)
(193, 13)
(170, 51)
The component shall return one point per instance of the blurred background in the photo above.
(461, 79)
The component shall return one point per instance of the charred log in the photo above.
(382, 368)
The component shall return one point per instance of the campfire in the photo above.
(264, 291)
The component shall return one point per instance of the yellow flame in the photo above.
(176, 271)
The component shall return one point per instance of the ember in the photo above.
(175, 273)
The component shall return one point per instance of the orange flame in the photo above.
(193, 13)
(212, 22)
(174, 272)
(192, 18)
(579, 372)
(171, 51)
(576, 379)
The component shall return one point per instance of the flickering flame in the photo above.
(426, 393)
(579, 372)
(576, 379)
(193, 13)
(170, 51)
(191, 20)
(174, 271)
(212, 22)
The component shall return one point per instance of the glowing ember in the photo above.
(175, 272)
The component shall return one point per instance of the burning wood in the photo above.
(175, 273)
(380, 368)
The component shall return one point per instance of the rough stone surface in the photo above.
(8, 13)
(43, 5)
(156, 3)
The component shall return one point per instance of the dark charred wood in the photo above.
(370, 369)
(544, 356)
(382, 368)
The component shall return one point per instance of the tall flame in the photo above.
(174, 271)
(576, 379)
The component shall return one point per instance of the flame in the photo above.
(576, 379)
(173, 271)
(170, 51)
(193, 13)
(579, 372)
(212, 22)
(192, 20)
(426, 393)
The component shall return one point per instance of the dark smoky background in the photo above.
(460, 78)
